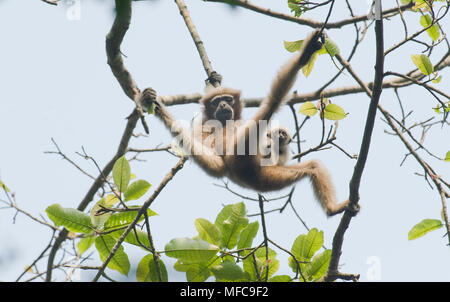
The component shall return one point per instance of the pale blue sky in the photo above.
(56, 84)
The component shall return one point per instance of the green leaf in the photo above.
(72, 219)
(151, 108)
(280, 278)
(297, 7)
(207, 231)
(260, 256)
(3, 186)
(119, 261)
(147, 271)
(247, 235)
(121, 174)
(230, 221)
(309, 66)
(437, 80)
(423, 5)
(111, 200)
(330, 47)
(334, 112)
(318, 266)
(305, 246)
(423, 227)
(423, 63)
(124, 218)
(197, 273)
(308, 109)
(447, 157)
(84, 244)
(191, 250)
(98, 220)
(131, 238)
(136, 190)
(228, 271)
(293, 46)
(433, 31)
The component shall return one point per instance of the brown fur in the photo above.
(246, 170)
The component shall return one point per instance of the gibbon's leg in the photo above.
(203, 155)
(277, 177)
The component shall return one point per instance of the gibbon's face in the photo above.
(283, 136)
(221, 108)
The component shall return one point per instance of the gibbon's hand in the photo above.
(147, 97)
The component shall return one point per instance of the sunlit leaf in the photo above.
(423, 227)
(111, 200)
(191, 250)
(119, 261)
(3, 186)
(309, 66)
(305, 246)
(131, 238)
(208, 231)
(293, 46)
(136, 190)
(423, 63)
(262, 263)
(437, 80)
(334, 112)
(98, 216)
(318, 266)
(308, 109)
(447, 157)
(72, 219)
(147, 270)
(228, 271)
(280, 278)
(121, 173)
(231, 221)
(331, 47)
(124, 218)
(84, 244)
(433, 31)
(247, 235)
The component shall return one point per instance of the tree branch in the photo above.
(141, 212)
(309, 22)
(362, 158)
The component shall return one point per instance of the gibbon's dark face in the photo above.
(221, 108)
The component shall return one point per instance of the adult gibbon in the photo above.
(232, 151)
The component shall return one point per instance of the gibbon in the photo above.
(231, 153)
(277, 144)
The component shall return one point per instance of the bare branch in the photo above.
(309, 22)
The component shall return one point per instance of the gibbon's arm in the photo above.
(286, 77)
(203, 155)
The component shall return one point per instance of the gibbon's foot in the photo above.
(147, 97)
(344, 206)
(353, 210)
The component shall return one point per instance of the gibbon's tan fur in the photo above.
(224, 105)
(277, 142)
